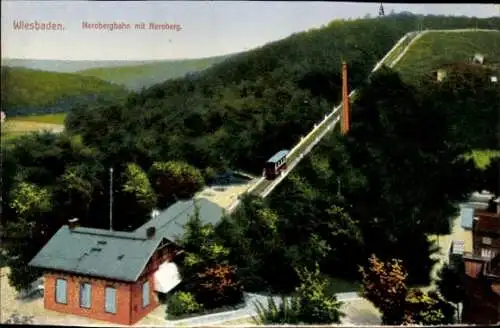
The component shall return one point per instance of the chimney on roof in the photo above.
(150, 232)
(73, 223)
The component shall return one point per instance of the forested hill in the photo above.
(135, 77)
(26, 91)
(246, 108)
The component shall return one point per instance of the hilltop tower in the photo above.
(345, 120)
(381, 11)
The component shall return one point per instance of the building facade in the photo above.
(482, 269)
(116, 276)
(117, 281)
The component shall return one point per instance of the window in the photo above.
(110, 300)
(61, 291)
(486, 240)
(145, 294)
(486, 253)
(85, 295)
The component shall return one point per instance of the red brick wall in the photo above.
(123, 296)
(139, 312)
(129, 308)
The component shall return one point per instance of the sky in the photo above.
(208, 28)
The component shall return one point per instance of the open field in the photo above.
(13, 128)
(436, 47)
(48, 118)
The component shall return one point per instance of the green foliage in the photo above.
(138, 185)
(436, 48)
(483, 158)
(29, 91)
(310, 305)
(206, 273)
(489, 177)
(19, 252)
(316, 306)
(384, 284)
(242, 110)
(451, 283)
(286, 312)
(218, 286)
(28, 200)
(202, 247)
(173, 180)
(140, 76)
(427, 309)
(181, 303)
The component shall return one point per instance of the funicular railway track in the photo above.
(264, 187)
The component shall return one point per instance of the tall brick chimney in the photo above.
(345, 119)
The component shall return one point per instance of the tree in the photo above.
(450, 283)
(384, 284)
(491, 176)
(20, 250)
(138, 194)
(427, 309)
(175, 180)
(29, 200)
(317, 305)
(311, 303)
(218, 286)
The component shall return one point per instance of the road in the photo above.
(248, 311)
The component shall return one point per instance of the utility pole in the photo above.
(111, 199)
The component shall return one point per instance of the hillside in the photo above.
(240, 112)
(135, 77)
(26, 91)
(436, 48)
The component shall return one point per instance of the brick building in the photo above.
(482, 269)
(115, 276)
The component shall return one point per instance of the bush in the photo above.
(182, 303)
(218, 286)
(286, 311)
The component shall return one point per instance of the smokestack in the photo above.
(345, 122)
(150, 232)
(73, 223)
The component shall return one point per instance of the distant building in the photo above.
(490, 71)
(482, 269)
(115, 276)
(478, 59)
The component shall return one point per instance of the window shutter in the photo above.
(145, 294)
(85, 295)
(61, 291)
(110, 300)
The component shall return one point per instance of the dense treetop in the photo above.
(251, 105)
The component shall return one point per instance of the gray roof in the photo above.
(119, 255)
(279, 155)
(170, 223)
(94, 252)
